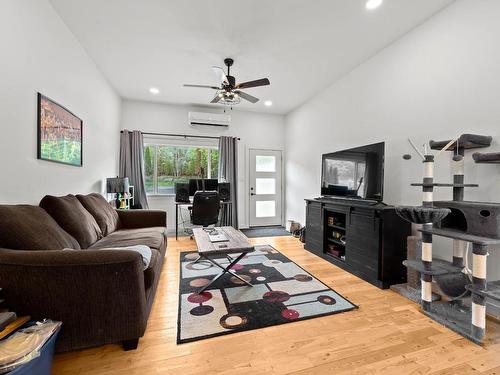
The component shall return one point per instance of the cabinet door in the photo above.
(363, 243)
(314, 227)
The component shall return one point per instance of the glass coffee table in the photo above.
(229, 241)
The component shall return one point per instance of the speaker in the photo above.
(224, 191)
(181, 192)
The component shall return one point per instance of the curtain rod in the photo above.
(180, 135)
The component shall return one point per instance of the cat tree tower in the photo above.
(466, 223)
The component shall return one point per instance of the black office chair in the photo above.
(206, 207)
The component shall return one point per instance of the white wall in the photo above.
(39, 54)
(439, 81)
(256, 130)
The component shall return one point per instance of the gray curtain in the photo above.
(228, 172)
(132, 164)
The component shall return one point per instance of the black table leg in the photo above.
(224, 270)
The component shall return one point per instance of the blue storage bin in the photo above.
(41, 365)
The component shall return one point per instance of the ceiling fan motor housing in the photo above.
(231, 80)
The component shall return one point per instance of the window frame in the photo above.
(155, 146)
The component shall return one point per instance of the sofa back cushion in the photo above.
(105, 215)
(25, 227)
(73, 218)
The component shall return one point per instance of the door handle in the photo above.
(253, 194)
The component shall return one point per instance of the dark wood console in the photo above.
(366, 239)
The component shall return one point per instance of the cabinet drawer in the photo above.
(362, 253)
(314, 228)
(360, 264)
(364, 232)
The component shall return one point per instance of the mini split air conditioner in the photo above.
(209, 119)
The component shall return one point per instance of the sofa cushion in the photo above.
(153, 237)
(25, 227)
(73, 218)
(105, 215)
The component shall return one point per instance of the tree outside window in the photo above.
(167, 165)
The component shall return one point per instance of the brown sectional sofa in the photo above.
(59, 261)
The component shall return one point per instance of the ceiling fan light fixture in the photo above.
(229, 98)
(229, 92)
(373, 4)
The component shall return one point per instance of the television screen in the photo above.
(354, 173)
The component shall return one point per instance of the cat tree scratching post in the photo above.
(457, 164)
(465, 222)
(427, 199)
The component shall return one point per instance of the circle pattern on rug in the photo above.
(290, 314)
(199, 298)
(199, 266)
(198, 283)
(237, 267)
(232, 321)
(275, 296)
(327, 300)
(235, 280)
(260, 278)
(201, 310)
(303, 278)
(191, 256)
(271, 263)
(254, 270)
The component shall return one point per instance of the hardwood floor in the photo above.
(386, 335)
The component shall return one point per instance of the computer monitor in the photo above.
(195, 184)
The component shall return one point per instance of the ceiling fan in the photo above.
(229, 92)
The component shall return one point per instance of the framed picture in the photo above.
(59, 133)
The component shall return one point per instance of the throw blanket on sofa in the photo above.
(144, 250)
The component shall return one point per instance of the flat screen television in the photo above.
(354, 173)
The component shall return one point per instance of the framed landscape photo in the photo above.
(59, 133)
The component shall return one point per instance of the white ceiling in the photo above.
(302, 46)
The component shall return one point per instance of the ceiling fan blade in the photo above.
(221, 76)
(203, 86)
(256, 83)
(244, 95)
(216, 99)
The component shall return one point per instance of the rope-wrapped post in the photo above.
(479, 282)
(427, 201)
(457, 163)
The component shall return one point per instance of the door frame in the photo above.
(282, 186)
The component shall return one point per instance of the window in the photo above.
(167, 165)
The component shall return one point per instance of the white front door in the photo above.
(265, 188)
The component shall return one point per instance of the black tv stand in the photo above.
(364, 237)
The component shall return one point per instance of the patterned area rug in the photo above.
(282, 292)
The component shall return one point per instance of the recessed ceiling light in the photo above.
(154, 91)
(268, 103)
(373, 4)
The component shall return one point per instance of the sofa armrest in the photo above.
(132, 219)
(98, 294)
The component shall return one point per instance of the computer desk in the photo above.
(224, 217)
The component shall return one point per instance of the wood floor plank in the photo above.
(387, 335)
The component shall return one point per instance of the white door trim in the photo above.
(280, 186)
